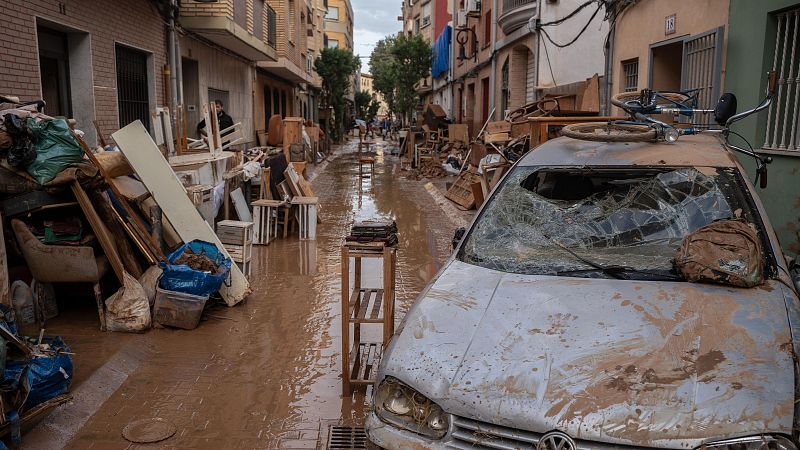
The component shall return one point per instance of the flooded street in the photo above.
(267, 373)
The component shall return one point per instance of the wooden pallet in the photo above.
(461, 191)
(364, 360)
(365, 306)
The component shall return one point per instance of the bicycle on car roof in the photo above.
(642, 127)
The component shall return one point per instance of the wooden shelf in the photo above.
(364, 360)
(365, 306)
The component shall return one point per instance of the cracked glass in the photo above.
(553, 221)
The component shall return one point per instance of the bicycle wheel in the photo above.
(629, 101)
(609, 132)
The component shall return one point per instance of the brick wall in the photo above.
(222, 8)
(131, 22)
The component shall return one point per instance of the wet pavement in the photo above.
(264, 374)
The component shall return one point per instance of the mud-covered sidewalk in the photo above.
(264, 374)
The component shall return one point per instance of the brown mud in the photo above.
(265, 374)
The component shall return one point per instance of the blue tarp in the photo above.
(182, 278)
(47, 376)
(441, 53)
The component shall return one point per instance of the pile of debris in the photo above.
(374, 232)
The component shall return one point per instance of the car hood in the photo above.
(646, 363)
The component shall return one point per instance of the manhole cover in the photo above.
(145, 431)
(346, 438)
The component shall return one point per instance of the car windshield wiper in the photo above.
(620, 270)
(610, 271)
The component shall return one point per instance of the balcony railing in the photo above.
(516, 13)
(508, 5)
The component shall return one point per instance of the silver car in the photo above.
(560, 323)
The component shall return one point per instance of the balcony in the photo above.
(516, 13)
(226, 23)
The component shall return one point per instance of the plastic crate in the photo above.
(179, 310)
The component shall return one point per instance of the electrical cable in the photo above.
(550, 66)
(589, 22)
(570, 15)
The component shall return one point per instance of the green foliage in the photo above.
(336, 66)
(413, 57)
(397, 65)
(382, 66)
(363, 100)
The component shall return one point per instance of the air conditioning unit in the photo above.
(461, 19)
(474, 7)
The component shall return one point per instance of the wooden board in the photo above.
(4, 289)
(156, 174)
(461, 191)
(100, 230)
(458, 133)
(241, 206)
(496, 137)
(292, 134)
(501, 126)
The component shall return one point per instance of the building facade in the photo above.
(365, 81)
(674, 45)
(339, 24)
(109, 68)
(765, 36)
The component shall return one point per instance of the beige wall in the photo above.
(643, 24)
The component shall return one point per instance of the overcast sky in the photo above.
(374, 19)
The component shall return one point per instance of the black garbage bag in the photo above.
(22, 151)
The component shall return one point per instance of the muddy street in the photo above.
(264, 374)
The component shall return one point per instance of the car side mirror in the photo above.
(458, 236)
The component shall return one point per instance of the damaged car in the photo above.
(566, 319)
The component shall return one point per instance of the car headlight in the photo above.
(765, 442)
(399, 405)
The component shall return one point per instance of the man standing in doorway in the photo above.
(225, 121)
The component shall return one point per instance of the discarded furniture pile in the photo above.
(437, 149)
(363, 305)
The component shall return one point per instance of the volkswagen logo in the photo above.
(556, 440)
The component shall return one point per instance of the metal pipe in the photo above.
(173, 78)
(493, 76)
(609, 70)
(179, 65)
(451, 72)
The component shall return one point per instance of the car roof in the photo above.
(688, 151)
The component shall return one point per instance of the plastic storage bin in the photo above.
(179, 310)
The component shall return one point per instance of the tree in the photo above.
(383, 68)
(335, 66)
(413, 57)
(363, 100)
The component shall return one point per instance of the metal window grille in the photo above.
(272, 23)
(702, 66)
(782, 128)
(132, 86)
(630, 70)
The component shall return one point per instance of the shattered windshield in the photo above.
(552, 221)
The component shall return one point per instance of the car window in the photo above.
(546, 220)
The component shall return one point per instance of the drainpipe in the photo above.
(538, 51)
(173, 69)
(492, 76)
(179, 65)
(451, 71)
(609, 70)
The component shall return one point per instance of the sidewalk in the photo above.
(264, 374)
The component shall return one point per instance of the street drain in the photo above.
(346, 438)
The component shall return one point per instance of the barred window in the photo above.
(630, 74)
(782, 128)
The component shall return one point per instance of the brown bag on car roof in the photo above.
(723, 252)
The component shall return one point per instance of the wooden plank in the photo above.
(458, 133)
(4, 282)
(496, 137)
(100, 230)
(160, 180)
(241, 206)
(500, 126)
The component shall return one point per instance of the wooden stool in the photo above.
(366, 160)
(266, 224)
(307, 213)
